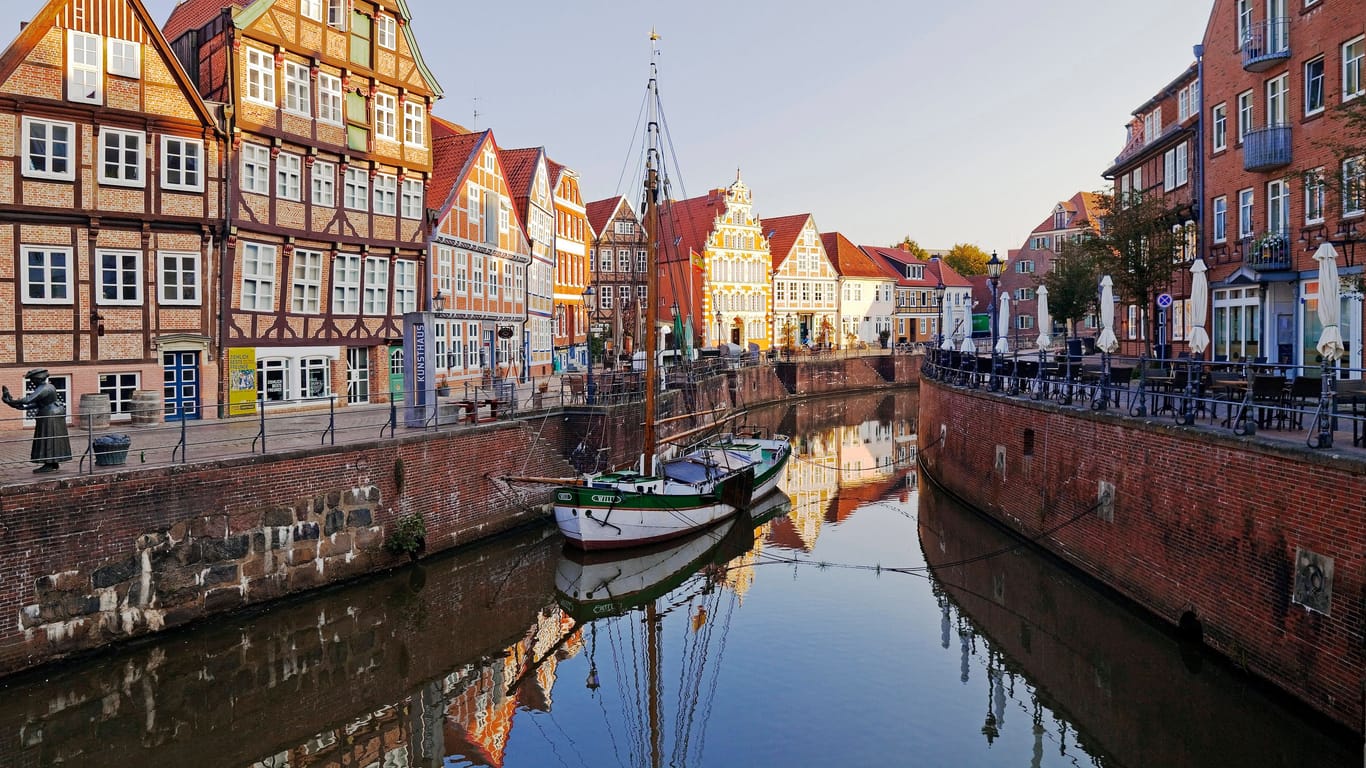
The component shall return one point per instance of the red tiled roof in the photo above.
(689, 222)
(193, 14)
(782, 233)
(600, 212)
(895, 259)
(519, 168)
(450, 163)
(1082, 210)
(939, 268)
(442, 127)
(555, 170)
(849, 261)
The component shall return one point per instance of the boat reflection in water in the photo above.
(1084, 673)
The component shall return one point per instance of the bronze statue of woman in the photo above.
(51, 446)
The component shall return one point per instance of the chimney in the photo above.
(22, 24)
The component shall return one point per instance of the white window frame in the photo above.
(1354, 68)
(331, 108)
(414, 123)
(405, 286)
(1220, 223)
(311, 9)
(54, 291)
(1277, 100)
(255, 169)
(1309, 85)
(385, 195)
(413, 199)
(179, 279)
(289, 177)
(323, 184)
(176, 151)
(1219, 126)
(376, 289)
(386, 116)
(127, 174)
(49, 157)
(260, 76)
(306, 284)
(133, 273)
(124, 58)
(356, 190)
(258, 277)
(386, 31)
(1354, 186)
(1247, 204)
(1175, 167)
(346, 284)
(1246, 106)
(1277, 206)
(1315, 196)
(337, 13)
(84, 67)
(298, 89)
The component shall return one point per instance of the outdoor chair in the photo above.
(1269, 397)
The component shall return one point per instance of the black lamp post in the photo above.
(939, 289)
(994, 266)
(592, 390)
(717, 343)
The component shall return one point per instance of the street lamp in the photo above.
(939, 290)
(994, 266)
(592, 390)
(718, 329)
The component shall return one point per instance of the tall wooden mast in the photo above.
(652, 234)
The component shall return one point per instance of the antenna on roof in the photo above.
(474, 125)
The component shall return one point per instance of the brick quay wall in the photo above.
(1208, 531)
(89, 561)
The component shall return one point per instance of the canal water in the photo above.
(860, 619)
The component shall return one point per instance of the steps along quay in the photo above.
(215, 516)
(1248, 540)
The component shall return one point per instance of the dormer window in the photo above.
(1059, 219)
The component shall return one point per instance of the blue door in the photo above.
(180, 374)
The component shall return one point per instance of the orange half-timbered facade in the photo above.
(325, 249)
(108, 211)
(480, 256)
(572, 233)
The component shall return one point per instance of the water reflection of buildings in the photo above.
(1087, 677)
(850, 457)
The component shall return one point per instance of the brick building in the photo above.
(1275, 77)
(620, 267)
(327, 113)
(109, 222)
(1161, 158)
(1069, 221)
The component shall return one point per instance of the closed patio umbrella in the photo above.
(968, 346)
(1002, 323)
(1045, 320)
(1107, 342)
(1199, 337)
(1330, 341)
(946, 324)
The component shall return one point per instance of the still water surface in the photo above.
(867, 621)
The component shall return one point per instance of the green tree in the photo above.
(968, 259)
(1072, 287)
(1136, 248)
(912, 247)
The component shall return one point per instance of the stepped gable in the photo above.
(782, 233)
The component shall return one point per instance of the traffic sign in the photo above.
(1164, 300)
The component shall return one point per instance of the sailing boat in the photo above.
(661, 500)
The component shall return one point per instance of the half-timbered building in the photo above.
(572, 234)
(620, 267)
(805, 284)
(480, 257)
(328, 105)
(108, 218)
(528, 179)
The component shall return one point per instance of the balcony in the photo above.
(1266, 44)
(1266, 148)
(1268, 253)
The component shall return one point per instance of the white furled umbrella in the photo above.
(1045, 320)
(1199, 337)
(1107, 342)
(968, 345)
(1330, 342)
(946, 324)
(1003, 322)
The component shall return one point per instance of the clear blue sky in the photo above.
(951, 122)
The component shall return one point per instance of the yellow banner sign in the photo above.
(241, 381)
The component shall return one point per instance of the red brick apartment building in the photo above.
(1276, 75)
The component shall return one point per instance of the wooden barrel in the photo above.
(146, 407)
(93, 411)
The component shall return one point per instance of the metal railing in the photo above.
(1242, 396)
(1265, 43)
